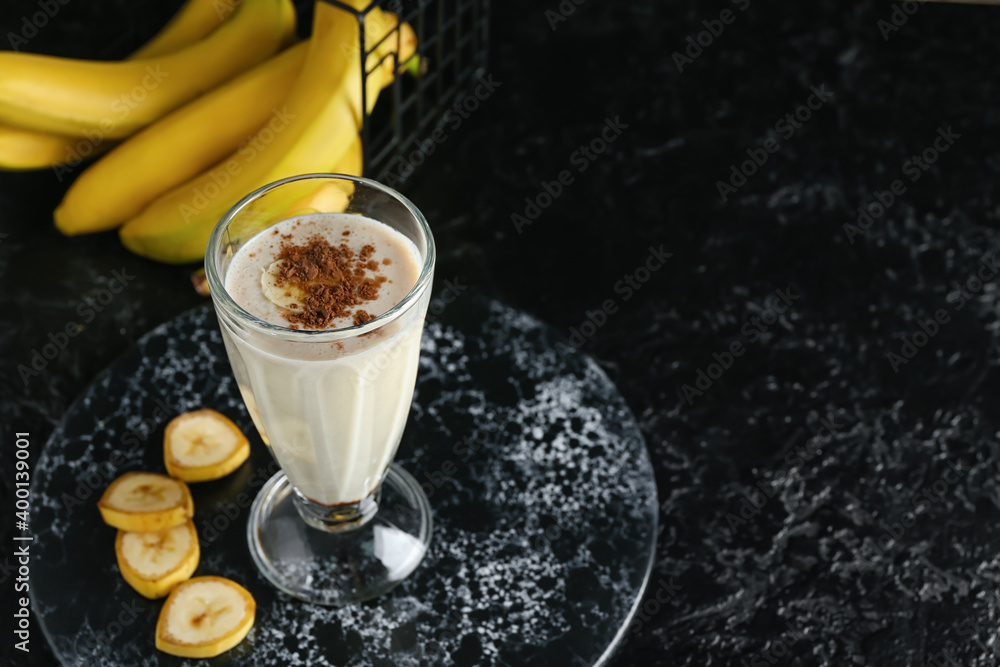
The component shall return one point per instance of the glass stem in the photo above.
(338, 518)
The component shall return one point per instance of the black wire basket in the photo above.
(452, 43)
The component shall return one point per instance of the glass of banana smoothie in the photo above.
(321, 284)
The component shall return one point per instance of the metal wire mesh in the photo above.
(452, 43)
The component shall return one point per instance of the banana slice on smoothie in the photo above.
(146, 501)
(203, 445)
(204, 617)
(280, 293)
(153, 562)
(286, 295)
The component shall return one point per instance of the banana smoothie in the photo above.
(332, 411)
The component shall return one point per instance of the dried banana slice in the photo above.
(146, 501)
(153, 562)
(204, 617)
(203, 445)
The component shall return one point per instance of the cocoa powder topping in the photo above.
(334, 280)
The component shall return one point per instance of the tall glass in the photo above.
(339, 523)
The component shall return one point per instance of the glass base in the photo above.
(339, 556)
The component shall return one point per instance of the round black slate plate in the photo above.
(542, 491)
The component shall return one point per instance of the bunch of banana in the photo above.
(77, 97)
(178, 147)
(208, 113)
(23, 149)
(193, 21)
(325, 114)
(157, 544)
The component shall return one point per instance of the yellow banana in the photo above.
(321, 196)
(115, 99)
(194, 20)
(27, 149)
(352, 163)
(179, 146)
(22, 149)
(326, 103)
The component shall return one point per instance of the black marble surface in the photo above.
(542, 492)
(874, 541)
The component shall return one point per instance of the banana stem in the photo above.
(414, 66)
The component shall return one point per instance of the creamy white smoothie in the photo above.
(332, 412)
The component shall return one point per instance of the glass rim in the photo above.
(222, 297)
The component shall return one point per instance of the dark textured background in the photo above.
(816, 576)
